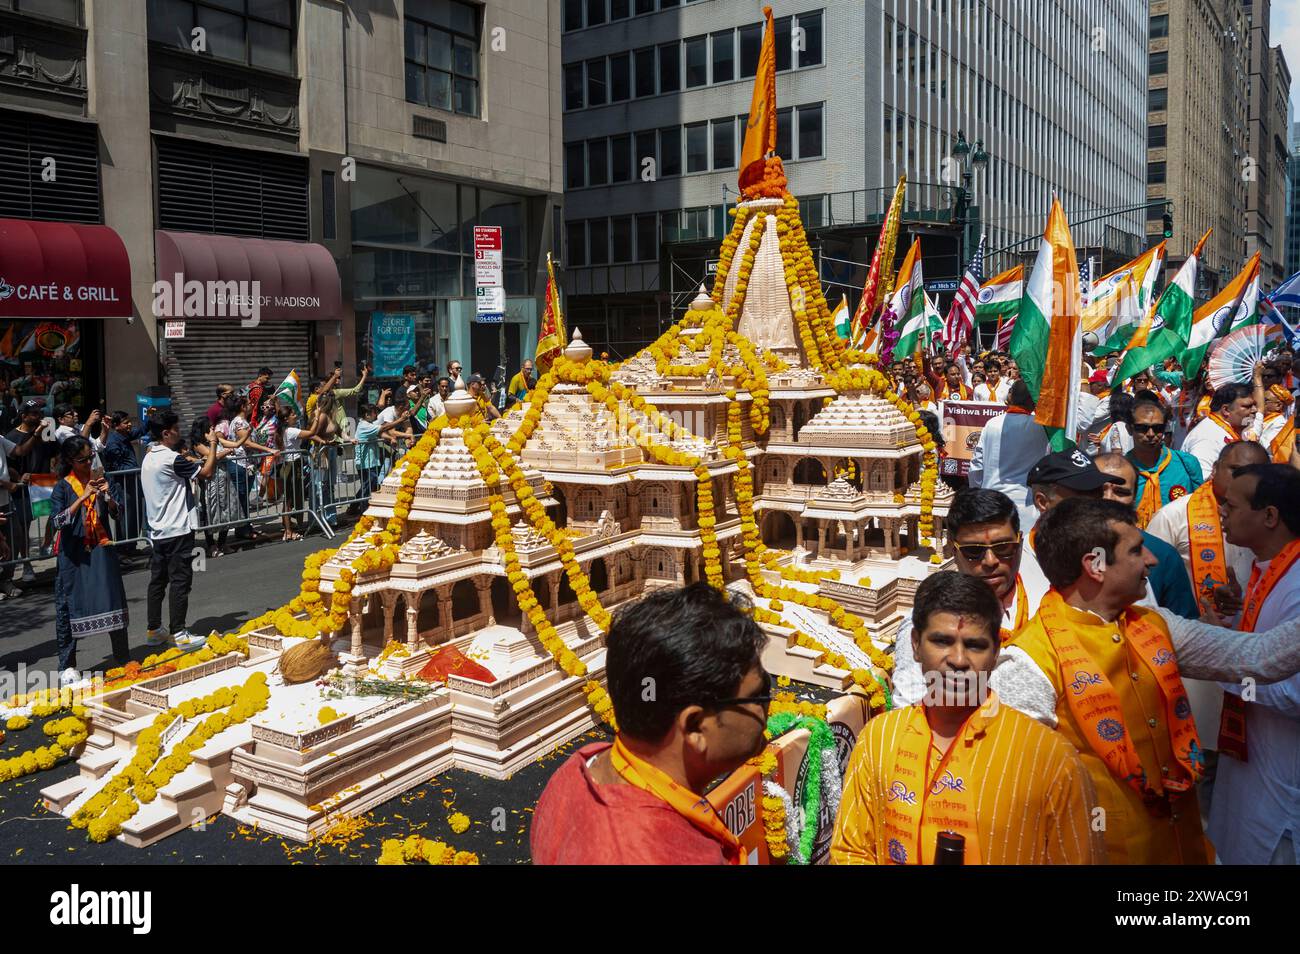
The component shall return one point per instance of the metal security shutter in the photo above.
(209, 188)
(72, 194)
(215, 351)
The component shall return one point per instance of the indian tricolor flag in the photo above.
(999, 297)
(907, 304)
(1214, 319)
(1171, 324)
(843, 317)
(1120, 299)
(1047, 342)
(39, 491)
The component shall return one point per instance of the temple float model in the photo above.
(747, 447)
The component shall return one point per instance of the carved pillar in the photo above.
(354, 614)
(444, 609)
(413, 619)
(798, 532)
(821, 537)
(389, 599)
(553, 586)
(483, 585)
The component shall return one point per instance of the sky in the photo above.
(1284, 30)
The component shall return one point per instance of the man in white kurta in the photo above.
(1009, 445)
(1231, 409)
(1255, 811)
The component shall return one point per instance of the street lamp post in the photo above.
(970, 158)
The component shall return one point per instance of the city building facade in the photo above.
(1269, 91)
(1197, 149)
(656, 93)
(336, 154)
(1293, 201)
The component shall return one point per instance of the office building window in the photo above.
(575, 165)
(724, 143)
(621, 159)
(751, 43)
(620, 233)
(253, 32)
(620, 9)
(783, 143)
(442, 52)
(1157, 136)
(620, 77)
(69, 11)
(595, 12)
(1155, 173)
(697, 61)
(597, 162)
(575, 240)
(645, 154)
(1157, 100)
(645, 71)
(810, 131)
(328, 205)
(1160, 26)
(670, 151)
(647, 237)
(810, 50)
(783, 25)
(573, 82)
(596, 82)
(697, 147)
(645, 6)
(724, 56)
(670, 67)
(573, 14)
(1158, 63)
(598, 241)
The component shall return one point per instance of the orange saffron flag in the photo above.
(760, 130)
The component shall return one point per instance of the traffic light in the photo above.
(1168, 220)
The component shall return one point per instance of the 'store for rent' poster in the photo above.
(962, 423)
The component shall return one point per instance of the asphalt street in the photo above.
(227, 590)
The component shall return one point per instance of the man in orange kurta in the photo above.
(962, 762)
(1108, 672)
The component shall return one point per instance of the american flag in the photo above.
(961, 316)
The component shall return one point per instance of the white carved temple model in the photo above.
(838, 484)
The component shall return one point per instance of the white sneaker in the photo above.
(29, 575)
(189, 641)
(155, 637)
(69, 677)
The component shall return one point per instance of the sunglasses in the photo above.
(764, 698)
(1148, 428)
(1003, 549)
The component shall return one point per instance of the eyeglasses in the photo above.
(1003, 549)
(764, 698)
(1148, 428)
(82, 460)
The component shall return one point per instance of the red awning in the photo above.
(296, 281)
(60, 270)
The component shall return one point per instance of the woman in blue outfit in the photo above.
(89, 599)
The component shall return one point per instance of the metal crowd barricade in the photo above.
(311, 487)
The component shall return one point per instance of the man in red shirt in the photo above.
(690, 697)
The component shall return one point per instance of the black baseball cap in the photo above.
(1073, 469)
(476, 378)
(34, 404)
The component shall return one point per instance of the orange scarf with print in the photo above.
(694, 808)
(920, 802)
(1205, 543)
(1151, 499)
(1283, 444)
(96, 534)
(963, 393)
(1095, 704)
(1214, 416)
(1233, 721)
